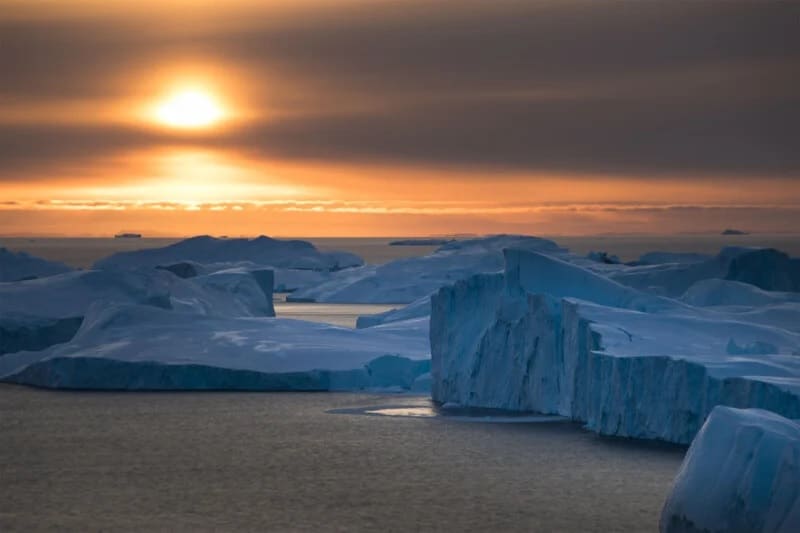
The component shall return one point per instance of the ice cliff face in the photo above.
(742, 473)
(19, 266)
(553, 337)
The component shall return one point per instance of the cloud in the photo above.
(638, 89)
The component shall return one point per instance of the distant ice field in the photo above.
(83, 252)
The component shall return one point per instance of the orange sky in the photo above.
(316, 119)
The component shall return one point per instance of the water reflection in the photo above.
(425, 408)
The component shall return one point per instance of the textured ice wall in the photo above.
(742, 473)
(495, 344)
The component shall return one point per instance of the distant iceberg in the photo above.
(18, 266)
(262, 251)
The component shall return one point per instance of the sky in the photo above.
(403, 117)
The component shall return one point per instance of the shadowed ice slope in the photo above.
(742, 473)
(18, 266)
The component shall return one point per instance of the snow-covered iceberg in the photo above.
(17, 266)
(135, 347)
(262, 252)
(407, 280)
(767, 269)
(742, 473)
(720, 292)
(551, 336)
(37, 313)
(673, 274)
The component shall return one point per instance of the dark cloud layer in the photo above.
(653, 89)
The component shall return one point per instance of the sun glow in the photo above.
(189, 108)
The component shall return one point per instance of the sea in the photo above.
(89, 461)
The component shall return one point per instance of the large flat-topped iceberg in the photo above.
(37, 313)
(16, 266)
(140, 347)
(551, 336)
(742, 473)
(406, 280)
(71, 294)
(261, 251)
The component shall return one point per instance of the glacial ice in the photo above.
(17, 266)
(767, 269)
(135, 347)
(741, 473)
(673, 274)
(407, 280)
(719, 292)
(37, 313)
(261, 251)
(551, 336)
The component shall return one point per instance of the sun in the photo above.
(189, 108)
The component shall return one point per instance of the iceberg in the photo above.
(261, 251)
(719, 292)
(18, 266)
(406, 280)
(551, 336)
(136, 347)
(767, 269)
(673, 274)
(742, 473)
(37, 313)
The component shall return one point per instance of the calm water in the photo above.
(284, 462)
(83, 252)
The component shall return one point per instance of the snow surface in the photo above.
(719, 292)
(20, 265)
(71, 294)
(37, 313)
(742, 473)
(551, 336)
(407, 280)
(261, 251)
(673, 274)
(126, 346)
